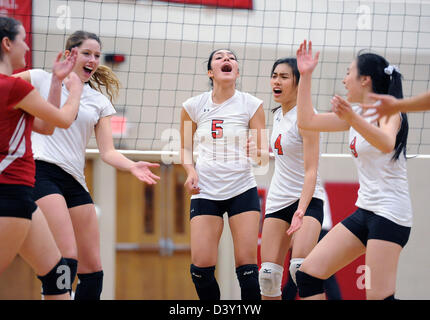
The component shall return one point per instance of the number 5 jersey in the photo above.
(223, 168)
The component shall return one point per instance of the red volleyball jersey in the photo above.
(16, 157)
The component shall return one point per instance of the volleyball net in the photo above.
(166, 46)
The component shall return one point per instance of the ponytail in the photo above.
(386, 79)
(104, 76)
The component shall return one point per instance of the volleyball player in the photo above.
(381, 225)
(222, 180)
(295, 192)
(388, 105)
(60, 188)
(331, 287)
(23, 228)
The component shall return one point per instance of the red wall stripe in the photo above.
(240, 4)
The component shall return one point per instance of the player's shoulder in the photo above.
(198, 100)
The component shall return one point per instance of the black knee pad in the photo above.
(204, 280)
(391, 297)
(90, 286)
(308, 285)
(248, 281)
(56, 281)
(73, 265)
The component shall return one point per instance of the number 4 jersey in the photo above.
(222, 166)
(289, 175)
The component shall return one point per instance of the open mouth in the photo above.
(226, 68)
(88, 70)
(277, 91)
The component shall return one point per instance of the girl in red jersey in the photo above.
(23, 228)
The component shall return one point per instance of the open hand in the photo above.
(385, 106)
(342, 108)
(305, 62)
(141, 170)
(296, 222)
(62, 68)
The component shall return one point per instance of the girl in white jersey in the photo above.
(60, 188)
(222, 180)
(381, 225)
(295, 197)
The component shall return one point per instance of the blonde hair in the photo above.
(103, 76)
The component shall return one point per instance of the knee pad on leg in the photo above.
(270, 278)
(248, 281)
(204, 280)
(56, 281)
(90, 286)
(294, 266)
(308, 285)
(391, 297)
(73, 266)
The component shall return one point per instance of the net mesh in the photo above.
(166, 46)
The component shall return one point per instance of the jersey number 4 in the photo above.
(217, 130)
(278, 145)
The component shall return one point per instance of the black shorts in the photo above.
(51, 179)
(16, 201)
(315, 209)
(365, 225)
(247, 201)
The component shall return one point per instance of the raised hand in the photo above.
(386, 106)
(305, 62)
(141, 170)
(342, 108)
(62, 68)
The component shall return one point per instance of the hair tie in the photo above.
(389, 70)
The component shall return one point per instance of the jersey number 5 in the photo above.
(217, 130)
(278, 145)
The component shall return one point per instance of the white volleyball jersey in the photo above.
(289, 175)
(222, 166)
(66, 147)
(383, 182)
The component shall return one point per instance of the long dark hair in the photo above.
(373, 65)
(210, 62)
(9, 28)
(292, 62)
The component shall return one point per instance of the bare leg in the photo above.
(337, 249)
(40, 250)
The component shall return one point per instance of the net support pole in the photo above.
(105, 201)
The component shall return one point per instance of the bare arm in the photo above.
(311, 160)
(257, 124)
(382, 137)
(111, 156)
(188, 128)
(34, 104)
(389, 105)
(306, 117)
(60, 70)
